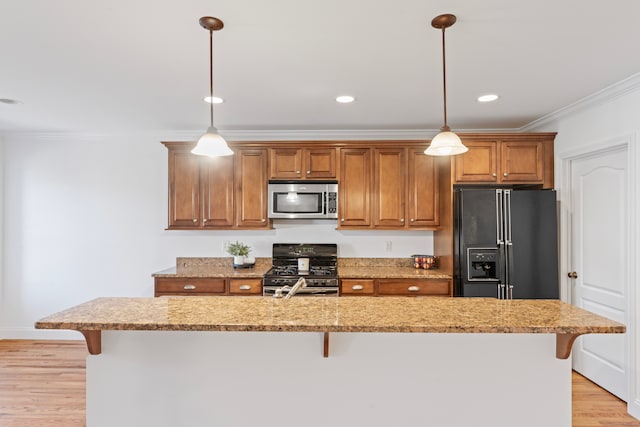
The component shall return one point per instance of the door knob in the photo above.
(573, 275)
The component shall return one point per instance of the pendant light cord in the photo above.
(444, 81)
(211, 75)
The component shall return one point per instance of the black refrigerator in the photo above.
(505, 243)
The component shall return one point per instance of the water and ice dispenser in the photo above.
(482, 264)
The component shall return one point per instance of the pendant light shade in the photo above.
(211, 144)
(446, 143)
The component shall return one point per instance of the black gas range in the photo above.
(321, 276)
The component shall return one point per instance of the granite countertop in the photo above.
(356, 268)
(331, 314)
(214, 267)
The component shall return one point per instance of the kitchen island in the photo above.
(363, 361)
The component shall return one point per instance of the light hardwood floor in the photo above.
(42, 383)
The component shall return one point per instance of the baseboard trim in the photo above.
(633, 408)
(38, 334)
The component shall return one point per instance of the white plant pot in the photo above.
(238, 259)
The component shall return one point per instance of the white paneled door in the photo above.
(599, 221)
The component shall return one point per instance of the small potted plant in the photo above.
(239, 251)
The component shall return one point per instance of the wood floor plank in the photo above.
(42, 383)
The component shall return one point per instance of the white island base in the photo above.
(281, 379)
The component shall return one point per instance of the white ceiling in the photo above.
(137, 65)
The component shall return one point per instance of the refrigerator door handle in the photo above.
(507, 215)
(508, 245)
(499, 217)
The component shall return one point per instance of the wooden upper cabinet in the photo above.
(390, 183)
(404, 193)
(423, 189)
(354, 205)
(302, 163)
(251, 187)
(286, 163)
(217, 191)
(200, 189)
(522, 161)
(227, 192)
(184, 190)
(513, 159)
(479, 164)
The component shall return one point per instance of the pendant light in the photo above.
(211, 144)
(445, 143)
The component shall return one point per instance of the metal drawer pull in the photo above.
(245, 287)
(357, 287)
(189, 287)
(413, 288)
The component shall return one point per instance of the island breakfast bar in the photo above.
(328, 361)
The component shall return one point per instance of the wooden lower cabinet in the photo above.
(396, 287)
(412, 287)
(189, 286)
(246, 286)
(357, 287)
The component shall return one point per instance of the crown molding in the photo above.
(608, 94)
(241, 135)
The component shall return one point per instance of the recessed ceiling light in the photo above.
(345, 99)
(216, 100)
(487, 98)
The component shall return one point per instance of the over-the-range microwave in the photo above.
(303, 199)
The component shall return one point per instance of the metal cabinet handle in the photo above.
(413, 288)
(401, 219)
(189, 287)
(505, 174)
(297, 171)
(357, 287)
(573, 275)
(264, 220)
(245, 287)
(195, 220)
(342, 220)
(412, 220)
(205, 220)
(495, 174)
(308, 172)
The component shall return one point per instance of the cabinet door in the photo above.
(320, 162)
(389, 187)
(286, 163)
(424, 200)
(184, 190)
(479, 164)
(522, 161)
(355, 187)
(217, 191)
(251, 187)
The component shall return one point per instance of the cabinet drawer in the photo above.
(252, 286)
(356, 287)
(188, 285)
(413, 287)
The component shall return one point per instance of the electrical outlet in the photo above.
(389, 245)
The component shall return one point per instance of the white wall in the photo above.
(85, 217)
(608, 118)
